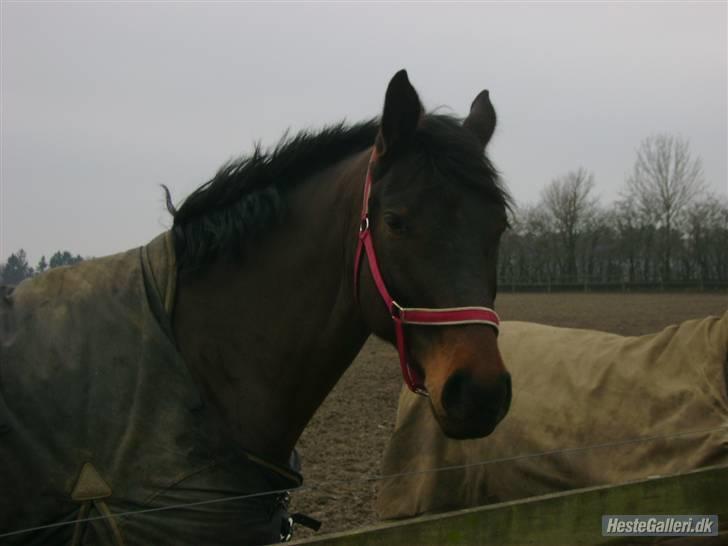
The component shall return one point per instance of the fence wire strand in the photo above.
(326, 485)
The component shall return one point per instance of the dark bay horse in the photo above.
(281, 266)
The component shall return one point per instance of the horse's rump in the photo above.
(573, 388)
(89, 373)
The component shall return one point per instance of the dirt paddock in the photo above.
(344, 442)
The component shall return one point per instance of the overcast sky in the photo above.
(102, 102)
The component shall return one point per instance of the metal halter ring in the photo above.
(364, 226)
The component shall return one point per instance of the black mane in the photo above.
(245, 198)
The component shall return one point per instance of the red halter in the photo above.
(409, 315)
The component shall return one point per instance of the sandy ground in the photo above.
(343, 444)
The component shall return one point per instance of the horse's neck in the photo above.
(268, 339)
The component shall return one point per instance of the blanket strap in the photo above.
(91, 490)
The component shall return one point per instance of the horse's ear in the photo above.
(481, 119)
(402, 113)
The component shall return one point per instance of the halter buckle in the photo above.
(364, 226)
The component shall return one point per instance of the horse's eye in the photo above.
(394, 222)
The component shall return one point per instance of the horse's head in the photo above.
(436, 215)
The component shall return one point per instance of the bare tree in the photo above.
(535, 226)
(705, 227)
(568, 202)
(664, 181)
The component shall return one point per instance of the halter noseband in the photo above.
(408, 315)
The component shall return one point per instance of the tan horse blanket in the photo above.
(572, 389)
(99, 415)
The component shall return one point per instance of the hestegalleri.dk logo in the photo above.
(626, 525)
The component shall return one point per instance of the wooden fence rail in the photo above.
(572, 517)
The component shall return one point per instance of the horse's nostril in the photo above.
(508, 394)
(463, 398)
(458, 395)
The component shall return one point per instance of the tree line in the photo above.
(17, 268)
(665, 229)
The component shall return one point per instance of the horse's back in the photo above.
(70, 341)
(90, 377)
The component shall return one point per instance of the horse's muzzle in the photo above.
(473, 410)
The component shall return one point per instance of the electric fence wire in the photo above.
(374, 478)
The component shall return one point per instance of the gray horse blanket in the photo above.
(99, 415)
(572, 389)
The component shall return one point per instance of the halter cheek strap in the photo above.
(448, 316)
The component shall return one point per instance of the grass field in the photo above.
(344, 442)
